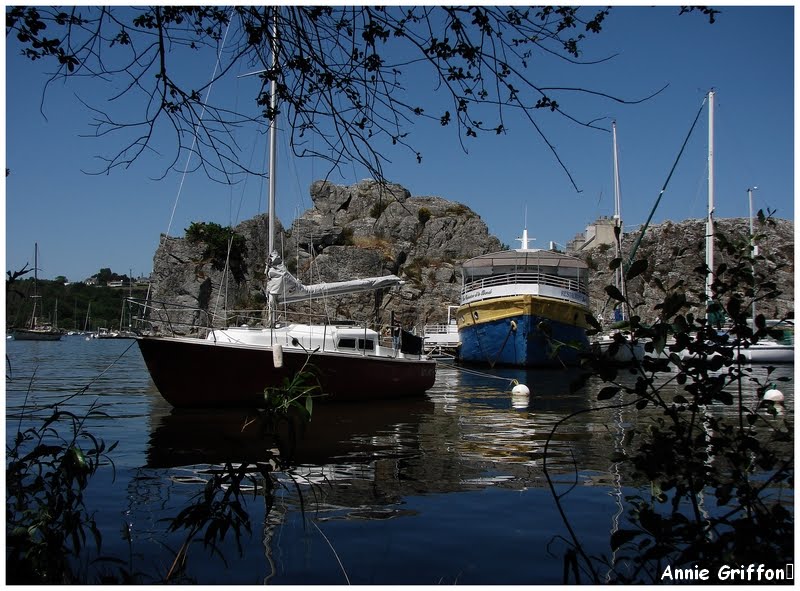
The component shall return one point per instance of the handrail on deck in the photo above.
(576, 284)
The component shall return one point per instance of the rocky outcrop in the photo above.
(674, 250)
(372, 229)
(362, 230)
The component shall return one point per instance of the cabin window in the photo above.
(364, 345)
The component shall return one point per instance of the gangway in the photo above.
(442, 339)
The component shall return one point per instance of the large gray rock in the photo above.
(373, 229)
(363, 230)
(658, 247)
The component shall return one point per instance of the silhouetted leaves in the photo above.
(688, 447)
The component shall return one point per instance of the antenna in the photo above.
(525, 240)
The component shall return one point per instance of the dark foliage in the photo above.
(720, 489)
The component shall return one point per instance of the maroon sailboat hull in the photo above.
(197, 373)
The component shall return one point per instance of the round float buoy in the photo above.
(520, 390)
(773, 394)
(520, 396)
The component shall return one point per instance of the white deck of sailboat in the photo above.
(329, 338)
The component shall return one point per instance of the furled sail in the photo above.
(285, 288)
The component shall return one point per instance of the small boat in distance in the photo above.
(36, 330)
(524, 308)
(768, 350)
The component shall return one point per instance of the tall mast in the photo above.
(753, 247)
(273, 126)
(273, 103)
(617, 214)
(35, 281)
(710, 221)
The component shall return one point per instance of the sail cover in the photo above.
(286, 288)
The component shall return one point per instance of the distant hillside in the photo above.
(68, 306)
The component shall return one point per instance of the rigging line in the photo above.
(194, 137)
(664, 187)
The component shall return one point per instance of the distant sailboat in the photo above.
(768, 350)
(765, 351)
(37, 331)
(609, 344)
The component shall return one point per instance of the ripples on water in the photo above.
(447, 489)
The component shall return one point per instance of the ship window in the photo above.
(364, 345)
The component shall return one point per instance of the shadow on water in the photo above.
(185, 437)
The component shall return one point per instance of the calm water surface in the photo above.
(447, 489)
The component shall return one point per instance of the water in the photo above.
(447, 489)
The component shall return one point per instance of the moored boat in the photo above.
(768, 351)
(37, 331)
(617, 345)
(524, 308)
(345, 361)
(234, 366)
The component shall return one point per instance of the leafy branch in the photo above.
(344, 75)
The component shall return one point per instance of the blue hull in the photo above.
(496, 343)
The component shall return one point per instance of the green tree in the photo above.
(342, 72)
(104, 276)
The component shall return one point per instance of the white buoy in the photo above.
(521, 390)
(277, 356)
(520, 396)
(773, 395)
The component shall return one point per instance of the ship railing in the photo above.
(569, 283)
(157, 318)
(440, 328)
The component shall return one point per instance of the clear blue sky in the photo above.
(83, 223)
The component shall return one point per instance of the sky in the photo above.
(84, 222)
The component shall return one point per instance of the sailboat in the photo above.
(768, 350)
(36, 331)
(765, 351)
(234, 366)
(608, 344)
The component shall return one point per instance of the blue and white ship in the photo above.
(523, 308)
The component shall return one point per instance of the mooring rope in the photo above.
(512, 326)
(511, 381)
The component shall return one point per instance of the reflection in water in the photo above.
(373, 464)
(449, 488)
(467, 431)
